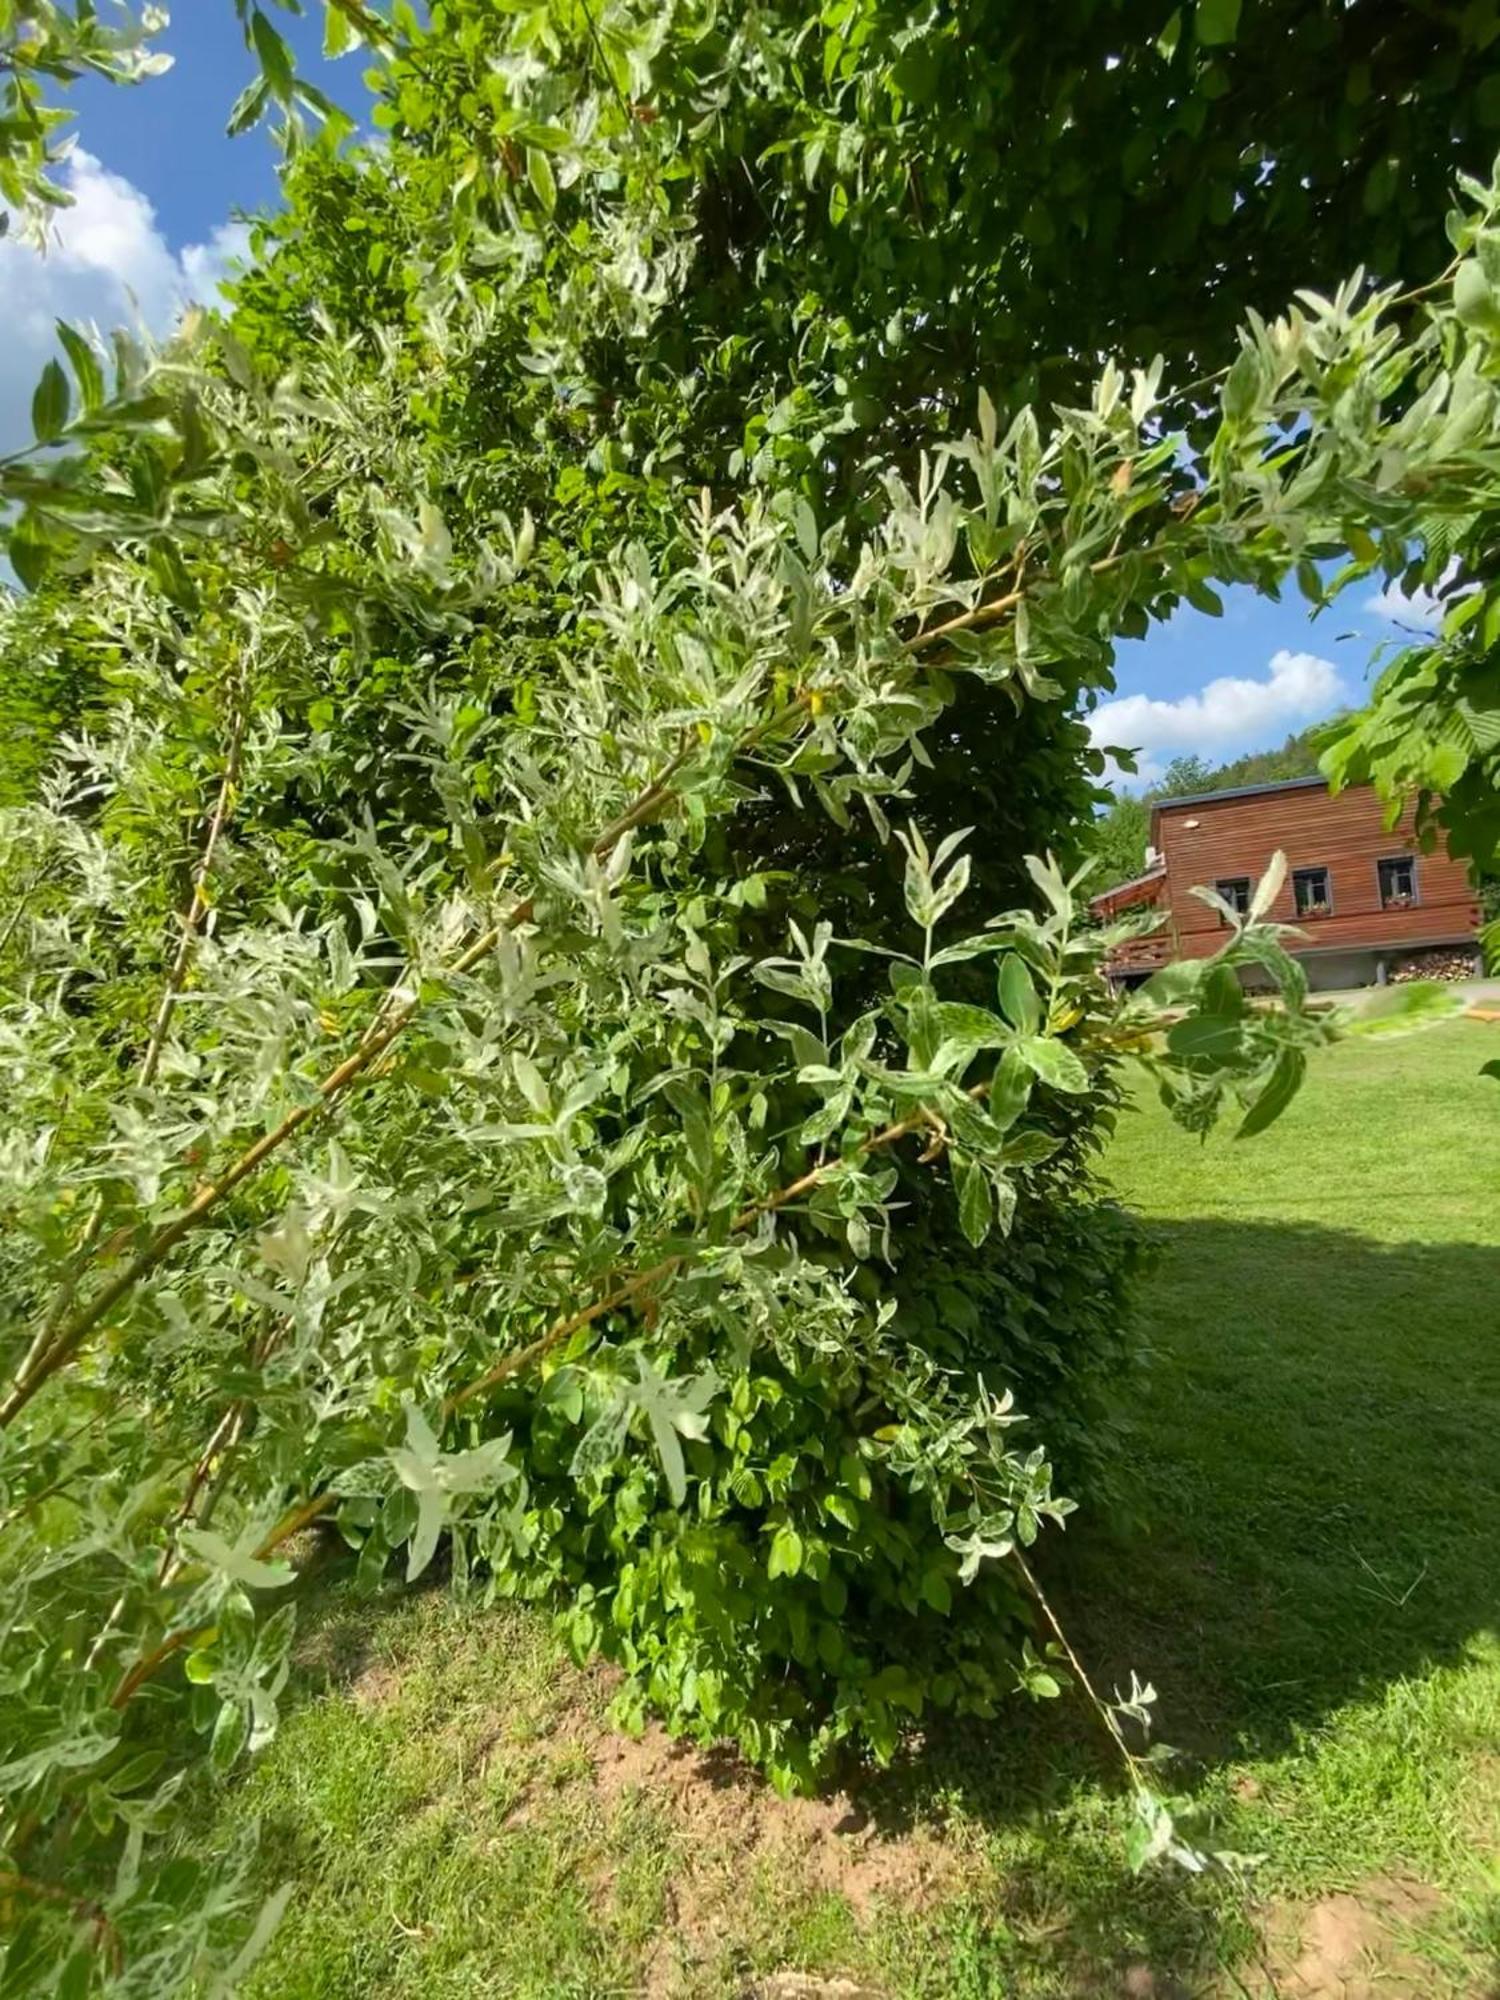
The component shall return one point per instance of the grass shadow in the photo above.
(1317, 1456)
(1315, 1449)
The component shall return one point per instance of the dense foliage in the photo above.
(534, 1013)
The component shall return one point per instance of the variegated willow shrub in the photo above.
(506, 1049)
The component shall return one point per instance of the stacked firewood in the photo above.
(1439, 962)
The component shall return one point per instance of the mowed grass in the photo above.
(1311, 1578)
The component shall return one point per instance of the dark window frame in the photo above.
(1235, 890)
(1299, 876)
(1393, 861)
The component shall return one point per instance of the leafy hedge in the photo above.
(538, 1015)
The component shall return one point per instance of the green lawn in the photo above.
(1313, 1583)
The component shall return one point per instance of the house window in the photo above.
(1313, 891)
(1235, 890)
(1398, 882)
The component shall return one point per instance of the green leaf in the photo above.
(1243, 385)
(964, 1030)
(1216, 22)
(669, 1451)
(543, 181)
(338, 32)
(786, 1552)
(937, 1592)
(275, 57)
(532, 1083)
(1018, 999)
(604, 1440)
(273, 1642)
(1276, 1093)
(432, 1517)
(50, 404)
(1268, 888)
(73, 1751)
(251, 103)
(1048, 877)
(1175, 985)
(230, 1732)
(1446, 764)
(76, 1980)
(369, 1571)
(673, 1408)
(239, 1564)
(827, 1119)
(273, 1908)
(1054, 1063)
(86, 367)
(986, 418)
(975, 1209)
(1010, 1088)
(1004, 1191)
(1474, 298)
(29, 548)
(1207, 1037)
(1030, 1148)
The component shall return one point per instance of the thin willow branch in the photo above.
(645, 1281)
(561, 1330)
(921, 1120)
(227, 1434)
(46, 1361)
(198, 902)
(13, 921)
(197, 909)
(150, 1662)
(1106, 1714)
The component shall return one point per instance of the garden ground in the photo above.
(1312, 1584)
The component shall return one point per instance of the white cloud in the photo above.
(205, 266)
(109, 264)
(1230, 714)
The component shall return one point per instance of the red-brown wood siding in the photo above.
(1127, 895)
(1345, 833)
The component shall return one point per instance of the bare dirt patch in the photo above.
(376, 1683)
(732, 1823)
(735, 1844)
(1354, 1945)
(804, 1986)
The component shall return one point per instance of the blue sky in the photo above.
(1246, 681)
(159, 187)
(167, 138)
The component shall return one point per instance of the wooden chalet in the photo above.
(1359, 892)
